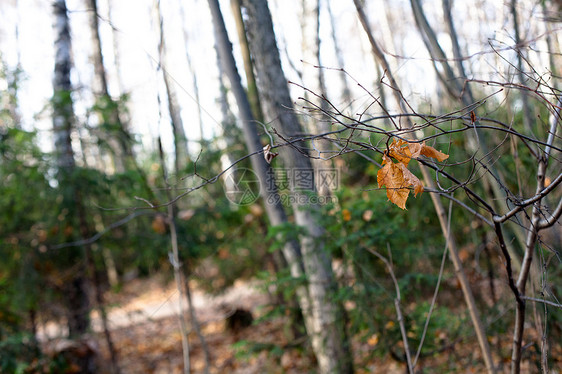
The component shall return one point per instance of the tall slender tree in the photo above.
(327, 330)
(180, 139)
(346, 92)
(452, 83)
(274, 208)
(273, 205)
(252, 87)
(72, 206)
(108, 109)
(521, 56)
(191, 68)
(313, 80)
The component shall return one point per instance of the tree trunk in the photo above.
(466, 91)
(273, 205)
(313, 80)
(119, 139)
(445, 74)
(191, 68)
(310, 49)
(175, 261)
(116, 49)
(346, 92)
(85, 232)
(527, 114)
(252, 87)
(451, 83)
(279, 260)
(174, 109)
(531, 240)
(551, 41)
(63, 120)
(327, 330)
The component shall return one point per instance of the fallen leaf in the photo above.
(373, 340)
(367, 215)
(346, 214)
(159, 224)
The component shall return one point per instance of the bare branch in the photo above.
(98, 235)
(554, 217)
(546, 302)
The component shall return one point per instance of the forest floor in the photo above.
(146, 333)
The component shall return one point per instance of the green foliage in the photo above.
(282, 233)
(19, 354)
(245, 349)
(21, 219)
(370, 222)
(232, 240)
(9, 97)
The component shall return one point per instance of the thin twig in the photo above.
(435, 292)
(397, 307)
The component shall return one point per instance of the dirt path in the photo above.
(148, 300)
(145, 330)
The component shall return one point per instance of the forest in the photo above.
(296, 186)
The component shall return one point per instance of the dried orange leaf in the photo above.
(373, 340)
(159, 224)
(396, 176)
(392, 177)
(415, 149)
(433, 153)
(404, 151)
(397, 179)
(411, 180)
(399, 151)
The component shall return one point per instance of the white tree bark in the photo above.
(327, 330)
(63, 112)
(63, 119)
(174, 109)
(273, 206)
(313, 80)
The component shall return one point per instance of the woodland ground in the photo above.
(147, 337)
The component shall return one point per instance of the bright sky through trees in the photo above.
(137, 43)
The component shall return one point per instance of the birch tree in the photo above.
(327, 331)
(63, 123)
(273, 205)
(180, 139)
(313, 80)
(107, 108)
